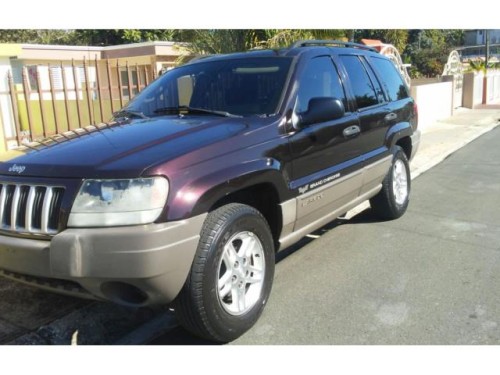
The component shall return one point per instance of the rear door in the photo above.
(373, 111)
(400, 105)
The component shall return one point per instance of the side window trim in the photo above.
(342, 85)
(351, 100)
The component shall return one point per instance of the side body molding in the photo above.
(310, 211)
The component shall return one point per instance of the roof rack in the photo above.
(337, 43)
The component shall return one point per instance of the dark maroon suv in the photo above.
(188, 193)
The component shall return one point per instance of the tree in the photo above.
(50, 36)
(284, 38)
(227, 41)
(428, 50)
(108, 37)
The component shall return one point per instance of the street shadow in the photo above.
(179, 336)
(55, 319)
(365, 217)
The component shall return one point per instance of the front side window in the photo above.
(250, 86)
(394, 84)
(319, 79)
(362, 87)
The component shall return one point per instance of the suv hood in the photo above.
(123, 150)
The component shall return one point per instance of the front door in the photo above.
(326, 156)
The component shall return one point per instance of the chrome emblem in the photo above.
(303, 189)
(17, 168)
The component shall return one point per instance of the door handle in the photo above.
(351, 131)
(391, 116)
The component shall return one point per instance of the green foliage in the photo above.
(454, 38)
(91, 37)
(227, 41)
(476, 66)
(108, 37)
(428, 62)
(397, 37)
(426, 49)
(35, 36)
(480, 66)
(218, 41)
(284, 38)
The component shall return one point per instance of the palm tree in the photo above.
(284, 38)
(201, 42)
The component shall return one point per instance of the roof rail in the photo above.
(337, 43)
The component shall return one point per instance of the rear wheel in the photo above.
(392, 201)
(231, 276)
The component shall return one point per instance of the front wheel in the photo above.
(392, 201)
(231, 276)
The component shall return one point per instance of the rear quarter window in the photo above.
(391, 79)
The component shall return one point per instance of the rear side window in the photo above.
(362, 87)
(392, 81)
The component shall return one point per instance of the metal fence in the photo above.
(44, 100)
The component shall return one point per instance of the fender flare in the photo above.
(200, 195)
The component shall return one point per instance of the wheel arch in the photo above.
(261, 188)
(264, 197)
(400, 135)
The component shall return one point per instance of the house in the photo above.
(64, 87)
(478, 37)
(475, 45)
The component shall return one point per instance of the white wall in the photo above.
(473, 88)
(493, 86)
(434, 102)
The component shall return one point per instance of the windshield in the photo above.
(243, 87)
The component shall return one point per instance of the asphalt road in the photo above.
(431, 277)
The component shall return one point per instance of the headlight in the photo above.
(119, 202)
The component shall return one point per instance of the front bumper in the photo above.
(137, 265)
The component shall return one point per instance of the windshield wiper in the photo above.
(128, 113)
(184, 108)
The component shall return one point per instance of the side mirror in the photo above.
(320, 110)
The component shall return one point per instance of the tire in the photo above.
(231, 276)
(392, 201)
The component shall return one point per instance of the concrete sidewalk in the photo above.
(442, 138)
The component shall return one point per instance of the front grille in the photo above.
(30, 209)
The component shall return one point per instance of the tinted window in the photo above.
(319, 79)
(362, 87)
(394, 85)
(240, 86)
(375, 81)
